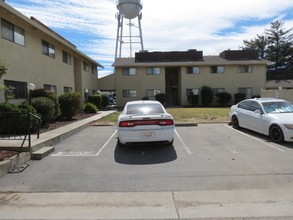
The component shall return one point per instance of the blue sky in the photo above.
(167, 25)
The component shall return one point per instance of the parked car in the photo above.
(269, 116)
(145, 122)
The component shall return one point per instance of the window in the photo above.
(94, 70)
(86, 67)
(48, 49)
(193, 70)
(217, 69)
(246, 91)
(194, 91)
(66, 58)
(52, 88)
(67, 89)
(153, 71)
(17, 89)
(129, 93)
(245, 69)
(129, 71)
(217, 90)
(12, 32)
(152, 92)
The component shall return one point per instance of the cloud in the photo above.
(167, 25)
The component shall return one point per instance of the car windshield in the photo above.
(278, 107)
(150, 108)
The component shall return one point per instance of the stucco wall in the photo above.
(286, 94)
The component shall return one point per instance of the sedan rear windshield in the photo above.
(278, 107)
(138, 109)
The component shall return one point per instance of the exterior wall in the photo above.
(27, 64)
(231, 80)
(107, 83)
(140, 82)
(286, 94)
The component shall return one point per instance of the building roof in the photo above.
(207, 61)
(38, 26)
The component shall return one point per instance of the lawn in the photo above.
(187, 115)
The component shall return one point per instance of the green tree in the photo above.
(5, 89)
(275, 45)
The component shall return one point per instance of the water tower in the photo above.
(128, 10)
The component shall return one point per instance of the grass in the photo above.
(186, 115)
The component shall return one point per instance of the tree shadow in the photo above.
(143, 154)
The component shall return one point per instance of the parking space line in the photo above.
(272, 146)
(106, 143)
(182, 142)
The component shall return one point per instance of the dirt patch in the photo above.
(4, 155)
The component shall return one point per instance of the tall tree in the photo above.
(280, 48)
(259, 43)
(275, 45)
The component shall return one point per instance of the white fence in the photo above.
(280, 93)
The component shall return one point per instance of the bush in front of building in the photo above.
(46, 108)
(145, 98)
(206, 95)
(238, 97)
(95, 99)
(48, 94)
(70, 104)
(161, 97)
(90, 108)
(105, 101)
(17, 123)
(193, 99)
(224, 98)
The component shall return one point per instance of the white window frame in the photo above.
(12, 32)
(153, 71)
(129, 71)
(129, 93)
(193, 70)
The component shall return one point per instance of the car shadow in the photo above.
(265, 138)
(143, 154)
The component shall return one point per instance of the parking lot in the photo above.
(204, 157)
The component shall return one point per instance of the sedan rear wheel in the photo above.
(276, 134)
(235, 122)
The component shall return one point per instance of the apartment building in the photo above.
(36, 54)
(180, 73)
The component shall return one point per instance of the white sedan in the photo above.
(269, 116)
(144, 122)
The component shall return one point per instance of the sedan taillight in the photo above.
(160, 122)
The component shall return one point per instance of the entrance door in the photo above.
(172, 86)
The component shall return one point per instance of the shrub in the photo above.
(161, 97)
(145, 98)
(45, 107)
(193, 99)
(206, 95)
(238, 97)
(69, 104)
(95, 99)
(224, 98)
(105, 101)
(48, 94)
(24, 107)
(90, 108)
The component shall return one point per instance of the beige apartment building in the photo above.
(36, 54)
(181, 73)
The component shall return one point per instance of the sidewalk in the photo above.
(45, 140)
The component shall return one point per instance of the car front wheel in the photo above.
(276, 134)
(235, 122)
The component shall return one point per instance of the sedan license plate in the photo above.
(147, 134)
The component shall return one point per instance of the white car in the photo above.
(269, 116)
(144, 122)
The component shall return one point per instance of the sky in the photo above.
(211, 26)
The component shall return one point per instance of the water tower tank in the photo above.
(129, 8)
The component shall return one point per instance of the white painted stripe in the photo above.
(107, 142)
(182, 142)
(257, 139)
(84, 153)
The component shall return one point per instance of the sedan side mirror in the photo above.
(258, 111)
